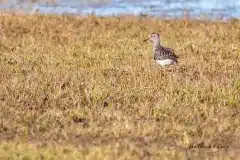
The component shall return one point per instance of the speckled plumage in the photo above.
(162, 55)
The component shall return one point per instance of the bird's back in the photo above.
(162, 53)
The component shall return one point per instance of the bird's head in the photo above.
(153, 37)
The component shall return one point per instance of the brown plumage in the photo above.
(162, 55)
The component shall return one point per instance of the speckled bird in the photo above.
(162, 55)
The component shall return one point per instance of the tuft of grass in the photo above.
(87, 88)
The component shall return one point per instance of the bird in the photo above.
(162, 55)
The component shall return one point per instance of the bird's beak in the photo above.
(146, 40)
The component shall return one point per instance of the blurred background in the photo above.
(213, 9)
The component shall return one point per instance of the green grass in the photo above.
(87, 88)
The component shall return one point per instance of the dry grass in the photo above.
(87, 88)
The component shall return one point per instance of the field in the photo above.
(76, 87)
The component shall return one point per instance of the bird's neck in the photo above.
(156, 45)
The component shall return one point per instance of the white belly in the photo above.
(165, 62)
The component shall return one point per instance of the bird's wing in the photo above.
(171, 51)
(164, 53)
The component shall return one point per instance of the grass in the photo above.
(87, 88)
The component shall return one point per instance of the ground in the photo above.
(77, 87)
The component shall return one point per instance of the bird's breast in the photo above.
(165, 62)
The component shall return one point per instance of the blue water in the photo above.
(213, 9)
